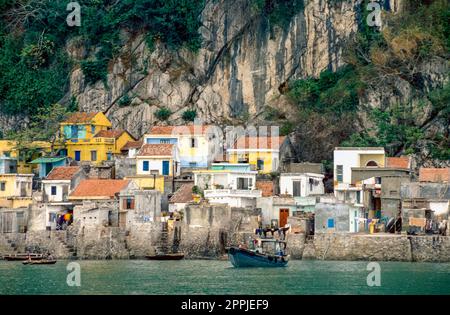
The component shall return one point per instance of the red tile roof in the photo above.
(162, 149)
(63, 172)
(398, 162)
(80, 118)
(183, 194)
(266, 186)
(132, 145)
(90, 188)
(109, 133)
(184, 129)
(434, 175)
(259, 143)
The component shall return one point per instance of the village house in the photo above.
(47, 164)
(332, 216)
(276, 210)
(181, 198)
(159, 159)
(426, 204)
(138, 207)
(304, 188)
(227, 185)
(15, 199)
(96, 202)
(131, 148)
(265, 154)
(56, 188)
(301, 184)
(197, 144)
(19, 156)
(89, 138)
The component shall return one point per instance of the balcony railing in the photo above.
(232, 193)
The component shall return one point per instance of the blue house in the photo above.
(46, 164)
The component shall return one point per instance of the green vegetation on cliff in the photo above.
(34, 67)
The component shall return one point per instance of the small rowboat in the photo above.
(174, 256)
(39, 262)
(22, 257)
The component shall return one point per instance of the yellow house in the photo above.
(262, 153)
(35, 149)
(15, 190)
(88, 137)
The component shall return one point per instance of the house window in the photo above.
(7, 154)
(339, 173)
(129, 203)
(311, 182)
(193, 143)
(53, 190)
(358, 197)
(74, 131)
(145, 166)
(2, 186)
(330, 223)
(93, 129)
(296, 188)
(244, 183)
(260, 165)
(371, 164)
(93, 155)
(378, 180)
(164, 141)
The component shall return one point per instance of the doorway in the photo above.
(284, 214)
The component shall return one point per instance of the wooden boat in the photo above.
(263, 253)
(173, 256)
(40, 262)
(22, 257)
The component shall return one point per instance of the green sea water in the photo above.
(219, 277)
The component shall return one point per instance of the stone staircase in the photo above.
(163, 245)
(69, 249)
(11, 243)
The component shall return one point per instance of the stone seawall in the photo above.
(115, 243)
(383, 247)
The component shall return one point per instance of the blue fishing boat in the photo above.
(259, 253)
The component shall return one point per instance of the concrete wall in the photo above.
(338, 212)
(425, 190)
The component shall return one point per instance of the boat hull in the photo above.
(22, 257)
(39, 262)
(177, 256)
(243, 258)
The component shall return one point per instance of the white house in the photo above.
(160, 159)
(347, 158)
(197, 144)
(236, 188)
(301, 184)
(56, 187)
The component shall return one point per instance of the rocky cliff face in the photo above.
(242, 66)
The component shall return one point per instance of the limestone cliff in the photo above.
(241, 67)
